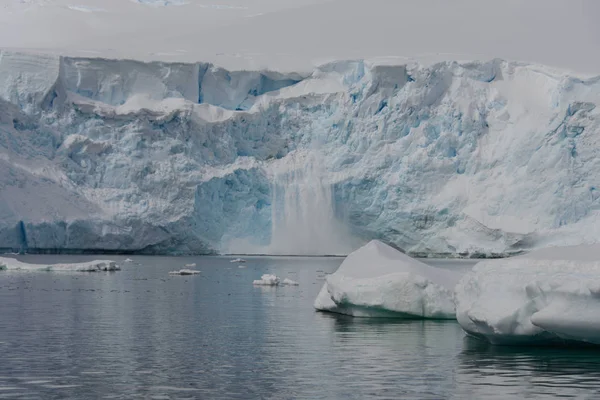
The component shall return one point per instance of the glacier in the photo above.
(451, 158)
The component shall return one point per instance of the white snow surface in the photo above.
(88, 266)
(546, 296)
(380, 281)
(174, 158)
(184, 272)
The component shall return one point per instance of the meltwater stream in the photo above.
(140, 333)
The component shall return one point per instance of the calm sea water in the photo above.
(140, 333)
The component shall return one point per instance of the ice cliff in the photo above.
(450, 158)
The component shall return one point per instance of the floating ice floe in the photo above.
(273, 280)
(192, 265)
(267, 280)
(128, 260)
(380, 281)
(546, 296)
(88, 266)
(241, 266)
(238, 260)
(184, 272)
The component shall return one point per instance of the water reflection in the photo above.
(499, 371)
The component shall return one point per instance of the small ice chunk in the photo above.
(290, 282)
(546, 296)
(88, 266)
(128, 260)
(241, 266)
(192, 265)
(380, 281)
(267, 280)
(238, 260)
(184, 272)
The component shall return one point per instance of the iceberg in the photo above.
(267, 280)
(544, 297)
(273, 280)
(89, 266)
(184, 272)
(380, 281)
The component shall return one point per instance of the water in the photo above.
(140, 333)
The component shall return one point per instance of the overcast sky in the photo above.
(286, 33)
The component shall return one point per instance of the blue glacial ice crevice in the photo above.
(450, 158)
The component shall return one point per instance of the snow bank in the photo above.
(542, 297)
(89, 266)
(184, 272)
(379, 281)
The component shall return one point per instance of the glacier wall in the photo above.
(450, 158)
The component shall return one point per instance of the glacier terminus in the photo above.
(448, 158)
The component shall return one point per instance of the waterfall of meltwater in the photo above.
(303, 214)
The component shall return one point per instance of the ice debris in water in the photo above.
(267, 280)
(542, 297)
(88, 266)
(184, 272)
(192, 265)
(241, 266)
(273, 280)
(380, 281)
(238, 260)
(128, 260)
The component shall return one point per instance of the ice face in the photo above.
(11, 264)
(480, 157)
(379, 281)
(546, 296)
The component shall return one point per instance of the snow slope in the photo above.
(449, 158)
(544, 296)
(379, 281)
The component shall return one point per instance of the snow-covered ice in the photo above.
(184, 272)
(88, 266)
(547, 295)
(128, 260)
(267, 280)
(238, 260)
(288, 281)
(455, 157)
(192, 265)
(380, 281)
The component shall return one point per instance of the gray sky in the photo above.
(295, 33)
